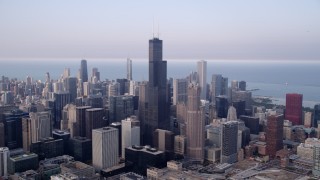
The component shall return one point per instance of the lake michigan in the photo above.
(273, 78)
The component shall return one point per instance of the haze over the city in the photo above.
(248, 29)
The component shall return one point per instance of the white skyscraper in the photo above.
(130, 133)
(232, 114)
(4, 155)
(129, 69)
(40, 125)
(105, 150)
(202, 73)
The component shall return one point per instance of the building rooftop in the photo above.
(23, 157)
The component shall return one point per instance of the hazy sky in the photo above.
(192, 29)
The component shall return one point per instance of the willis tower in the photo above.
(157, 108)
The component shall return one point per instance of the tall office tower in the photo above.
(180, 142)
(274, 134)
(114, 89)
(105, 147)
(307, 119)
(180, 87)
(164, 140)
(123, 86)
(13, 128)
(66, 73)
(118, 126)
(80, 148)
(158, 105)
(202, 73)
(234, 85)
(2, 135)
(229, 142)
(81, 120)
(222, 106)
(94, 120)
(71, 87)
(252, 123)
(242, 96)
(232, 114)
(130, 133)
(4, 156)
(84, 71)
(95, 73)
(195, 123)
(129, 69)
(316, 160)
(224, 86)
(242, 86)
(22, 162)
(143, 103)
(120, 107)
(61, 99)
(316, 115)
(35, 128)
(215, 89)
(294, 108)
(240, 107)
(87, 88)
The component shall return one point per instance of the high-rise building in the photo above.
(120, 107)
(180, 142)
(316, 115)
(13, 128)
(81, 120)
(252, 123)
(71, 87)
(105, 147)
(130, 129)
(180, 87)
(36, 127)
(4, 156)
(95, 74)
(94, 120)
(80, 148)
(84, 71)
(117, 125)
(61, 99)
(234, 85)
(307, 119)
(129, 69)
(219, 86)
(274, 134)
(202, 73)
(23, 162)
(157, 104)
(232, 114)
(2, 135)
(229, 142)
(222, 106)
(242, 86)
(316, 161)
(164, 140)
(195, 123)
(294, 108)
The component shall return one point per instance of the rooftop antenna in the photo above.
(153, 28)
(158, 31)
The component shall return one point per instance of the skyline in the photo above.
(209, 30)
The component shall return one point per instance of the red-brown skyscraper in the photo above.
(294, 108)
(274, 134)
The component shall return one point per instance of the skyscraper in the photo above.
(84, 71)
(130, 129)
(61, 99)
(195, 124)
(316, 115)
(294, 108)
(105, 147)
(232, 114)
(4, 156)
(229, 142)
(202, 73)
(94, 119)
(274, 134)
(180, 87)
(35, 128)
(129, 69)
(158, 105)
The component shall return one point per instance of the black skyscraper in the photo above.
(84, 71)
(158, 106)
